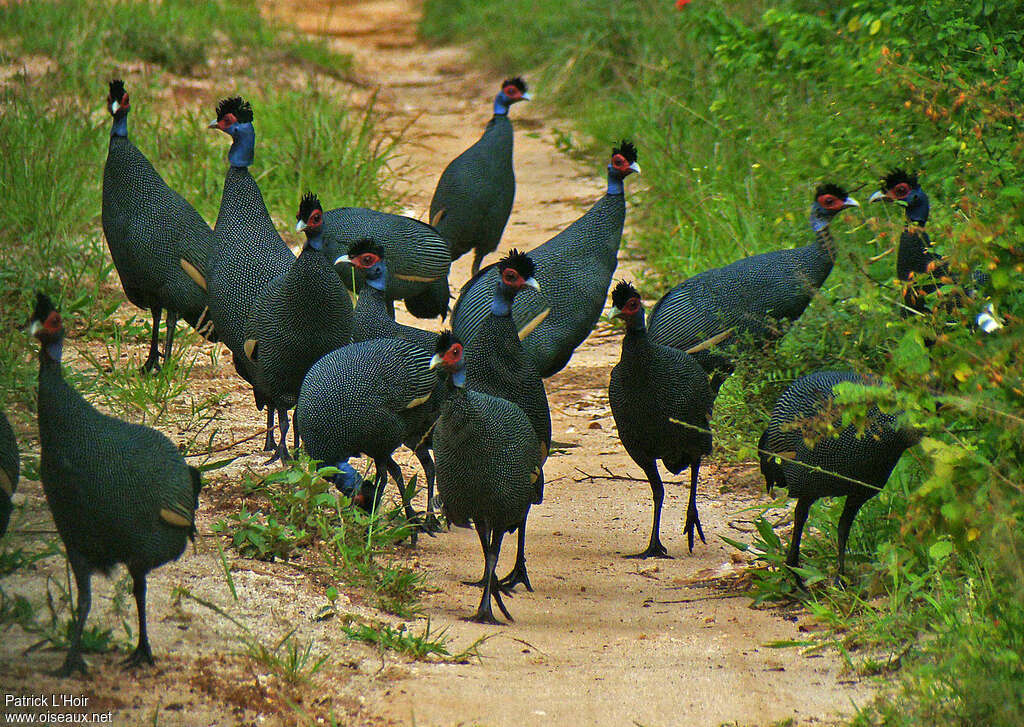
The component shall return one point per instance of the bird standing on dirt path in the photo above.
(249, 252)
(488, 461)
(10, 468)
(661, 400)
(496, 364)
(301, 316)
(158, 242)
(474, 195)
(840, 463)
(743, 299)
(119, 492)
(574, 269)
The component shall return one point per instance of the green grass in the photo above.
(739, 110)
(422, 646)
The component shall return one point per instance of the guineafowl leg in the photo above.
(142, 653)
(518, 573)
(430, 524)
(803, 508)
(171, 321)
(692, 519)
(654, 549)
(490, 541)
(281, 452)
(269, 445)
(478, 256)
(153, 360)
(396, 473)
(83, 579)
(850, 509)
(484, 544)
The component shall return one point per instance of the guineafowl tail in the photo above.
(771, 468)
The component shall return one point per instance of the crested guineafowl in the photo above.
(158, 242)
(119, 492)
(248, 251)
(371, 318)
(488, 461)
(496, 364)
(661, 401)
(914, 256)
(742, 300)
(474, 195)
(575, 270)
(301, 315)
(367, 398)
(10, 468)
(840, 463)
(418, 260)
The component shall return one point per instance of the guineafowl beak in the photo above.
(850, 202)
(435, 361)
(635, 167)
(343, 259)
(878, 196)
(114, 106)
(213, 125)
(34, 327)
(532, 282)
(300, 226)
(527, 97)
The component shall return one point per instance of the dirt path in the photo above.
(602, 641)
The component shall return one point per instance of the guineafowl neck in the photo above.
(501, 106)
(243, 146)
(501, 303)
(615, 185)
(636, 353)
(120, 127)
(823, 239)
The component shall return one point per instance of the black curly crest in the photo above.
(515, 81)
(364, 245)
(309, 203)
(898, 176)
(44, 306)
(445, 340)
(235, 105)
(834, 189)
(622, 293)
(626, 149)
(117, 90)
(519, 261)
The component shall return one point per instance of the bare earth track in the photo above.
(602, 641)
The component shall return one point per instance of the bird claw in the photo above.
(654, 550)
(515, 577)
(137, 658)
(692, 521)
(72, 663)
(484, 617)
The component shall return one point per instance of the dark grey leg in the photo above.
(171, 321)
(518, 573)
(83, 579)
(269, 445)
(654, 549)
(396, 474)
(142, 653)
(431, 524)
(692, 519)
(803, 508)
(281, 452)
(850, 509)
(152, 362)
(478, 256)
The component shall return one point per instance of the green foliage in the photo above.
(299, 510)
(421, 646)
(738, 109)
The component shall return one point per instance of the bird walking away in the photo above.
(915, 258)
(488, 461)
(474, 195)
(158, 242)
(119, 492)
(418, 260)
(574, 269)
(366, 398)
(661, 400)
(742, 301)
(497, 364)
(10, 468)
(248, 251)
(807, 450)
(301, 316)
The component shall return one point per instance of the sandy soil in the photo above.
(602, 641)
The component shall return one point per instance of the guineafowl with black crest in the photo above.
(488, 462)
(574, 269)
(119, 492)
(915, 258)
(10, 469)
(367, 398)
(158, 242)
(248, 251)
(497, 364)
(740, 302)
(474, 195)
(808, 451)
(661, 401)
(300, 316)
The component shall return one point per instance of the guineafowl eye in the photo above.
(367, 261)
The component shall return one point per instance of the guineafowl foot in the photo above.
(269, 445)
(515, 577)
(654, 550)
(151, 365)
(429, 524)
(141, 655)
(479, 584)
(280, 453)
(72, 662)
(484, 616)
(693, 523)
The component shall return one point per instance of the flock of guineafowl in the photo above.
(470, 402)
